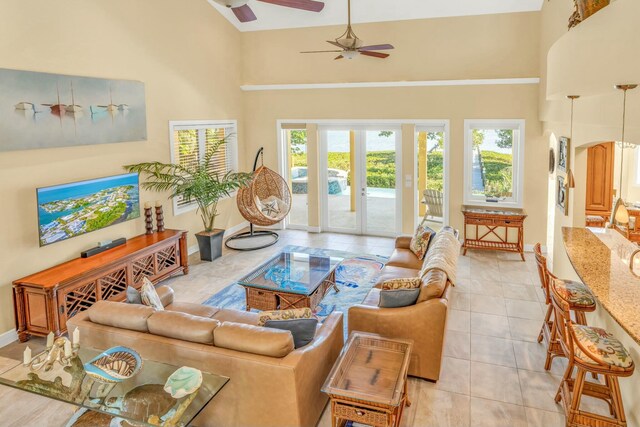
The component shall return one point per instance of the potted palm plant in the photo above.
(196, 182)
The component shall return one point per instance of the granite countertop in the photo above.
(601, 259)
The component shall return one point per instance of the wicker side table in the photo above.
(368, 383)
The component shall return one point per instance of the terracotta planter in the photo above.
(586, 8)
(210, 244)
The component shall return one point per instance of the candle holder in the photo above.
(148, 220)
(159, 218)
(54, 354)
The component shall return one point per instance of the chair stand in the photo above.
(252, 234)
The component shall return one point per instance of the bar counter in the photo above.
(601, 257)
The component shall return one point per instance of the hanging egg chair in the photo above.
(264, 202)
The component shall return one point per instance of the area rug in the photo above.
(355, 276)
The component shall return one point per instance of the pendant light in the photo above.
(571, 182)
(619, 213)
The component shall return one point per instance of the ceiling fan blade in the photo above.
(375, 54)
(338, 57)
(377, 47)
(321, 51)
(244, 13)
(310, 5)
(335, 44)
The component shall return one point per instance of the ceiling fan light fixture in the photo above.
(231, 3)
(350, 54)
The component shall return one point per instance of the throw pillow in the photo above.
(294, 313)
(402, 283)
(394, 298)
(420, 240)
(149, 295)
(133, 296)
(303, 330)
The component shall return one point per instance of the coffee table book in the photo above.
(368, 383)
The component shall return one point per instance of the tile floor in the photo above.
(492, 373)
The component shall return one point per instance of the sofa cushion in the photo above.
(149, 295)
(303, 330)
(393, 272)
(237, 316)
(394, 298)
(420, 240)
(166, 295)
(133, 295)
(290, 314)
(402, 283)
(404, 258)
(182, 326)
(193, 309)
(121, 315)
(253, 339)
(434, 284)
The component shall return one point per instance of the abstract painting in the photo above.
(42, 110)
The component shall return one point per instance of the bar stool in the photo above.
(580, 300)
(592, 350)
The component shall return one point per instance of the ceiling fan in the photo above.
(243, 11)
(350, 45)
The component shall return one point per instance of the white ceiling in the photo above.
(271, 17)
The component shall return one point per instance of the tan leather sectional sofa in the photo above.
(424, 322)
(272, 384)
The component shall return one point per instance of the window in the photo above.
(190, 140)
(494, 162)
(431, 174)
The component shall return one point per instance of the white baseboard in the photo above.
(314, 229)
(228, 232)
(8, 337)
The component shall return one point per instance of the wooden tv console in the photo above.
(45, 300)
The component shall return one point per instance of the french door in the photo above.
(360, 177)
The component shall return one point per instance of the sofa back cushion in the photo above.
(253, 339)
(125, 316)
(394, 298)
(434, 284)
(182, 326)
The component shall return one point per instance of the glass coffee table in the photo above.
(290, 280)
(138, 401)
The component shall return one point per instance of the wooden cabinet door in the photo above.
(600, 178)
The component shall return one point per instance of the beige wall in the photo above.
(476, 47)
(184, 52)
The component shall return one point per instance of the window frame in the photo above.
(517, 200)
(232, 147)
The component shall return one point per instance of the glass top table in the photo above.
(139, 400)
(277, 282)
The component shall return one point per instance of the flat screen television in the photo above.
(69, 210)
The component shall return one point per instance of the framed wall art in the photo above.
(564, 150)
(561, 195)
(42, 110)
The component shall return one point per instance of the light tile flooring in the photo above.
(492, 372)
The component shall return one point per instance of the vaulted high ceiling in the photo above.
(271, 17)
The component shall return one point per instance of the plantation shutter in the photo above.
(190, 144)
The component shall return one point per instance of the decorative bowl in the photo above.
(183, 382)
(114, 365)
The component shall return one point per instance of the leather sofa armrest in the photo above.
(166, 295)
(403, 242)
(312, 364)
(399, 320)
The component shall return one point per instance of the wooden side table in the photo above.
(491, 230)
(368, 383)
